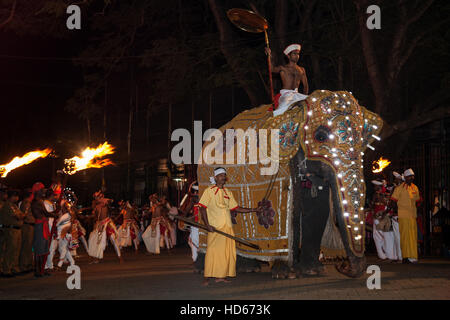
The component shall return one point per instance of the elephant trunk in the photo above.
(355, 264)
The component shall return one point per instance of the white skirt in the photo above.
(97, 243)
(151, 239)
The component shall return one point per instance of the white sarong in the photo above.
(151, 238)
(287, 98)
(396, 231)
(97, 243)
(194, 242)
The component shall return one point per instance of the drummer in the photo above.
(215, 206)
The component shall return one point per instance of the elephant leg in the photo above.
(247, 265)
(352, 267)
(280, 270)
(315, 212)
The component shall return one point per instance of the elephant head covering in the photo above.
(292, 47)
(408, 172)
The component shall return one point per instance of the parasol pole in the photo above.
(201, 226)
(269, 64)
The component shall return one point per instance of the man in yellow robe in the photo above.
(215, 206)
(407, 197)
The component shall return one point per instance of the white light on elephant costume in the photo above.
(330, 127)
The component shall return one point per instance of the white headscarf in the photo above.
(408, 172)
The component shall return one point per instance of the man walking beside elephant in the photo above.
(406, 198)
(215, 206)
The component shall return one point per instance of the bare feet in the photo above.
(222, 280)
(120, 260)
(205, 283)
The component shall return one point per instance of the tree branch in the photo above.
(415, 121)
(11, 15)
(372, 65)
(419, 12)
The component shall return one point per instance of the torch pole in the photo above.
(269, 64)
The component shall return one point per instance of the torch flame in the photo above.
(379, 165)
(90, 159)
(24, 160)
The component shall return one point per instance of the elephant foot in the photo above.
(280, 270)
(245, 265)
(352, 267)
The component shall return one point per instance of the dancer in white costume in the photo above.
(189, 207)
(50, 204)
(64, 228)
(157, 233)
(291, 76)
(104, 228)
(129, 230)
(78, 233)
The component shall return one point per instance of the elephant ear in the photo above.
(372, 126)
(291, 134)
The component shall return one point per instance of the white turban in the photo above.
(408, 172)
(377, 183)
(291, 48)
(194, 187)
(217, 171)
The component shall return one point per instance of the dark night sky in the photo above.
(34, 92)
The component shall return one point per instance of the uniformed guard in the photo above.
(11, 219)
(26, 252)
(3, 198)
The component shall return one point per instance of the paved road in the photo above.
(170, 276)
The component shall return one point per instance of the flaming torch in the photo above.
(24, 160)
(90, 159)
(379, 165)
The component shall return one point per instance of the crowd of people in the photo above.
(42, 228)
(393, 215)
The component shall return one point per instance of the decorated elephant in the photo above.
(315, 200)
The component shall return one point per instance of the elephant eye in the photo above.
(322, 134)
